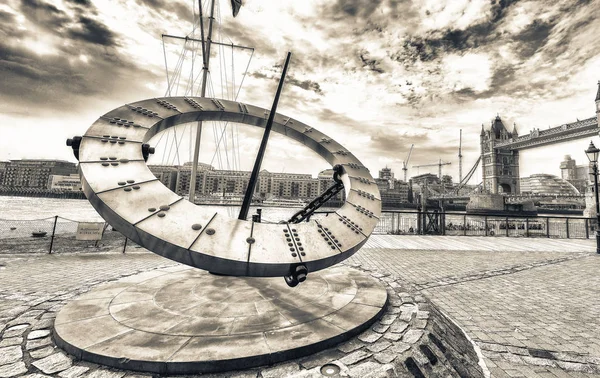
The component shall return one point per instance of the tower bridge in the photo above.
(500, 148)
(563, 133)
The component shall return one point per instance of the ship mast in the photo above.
(205, 65)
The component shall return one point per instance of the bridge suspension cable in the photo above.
(466, 179)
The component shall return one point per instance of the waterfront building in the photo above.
(382, 184)
(227, 183)
(386, 174)
(398, 187)
(428, 178)
(184, 173)
(65, 183)
(167, 174)
(265, 185)
(3, 165)
(224, 183)
(401, 188)
(578, 175)
(393, 192)
(293, 185)
(325, 180)
(392, 195)
(545, 184)
(35, 173)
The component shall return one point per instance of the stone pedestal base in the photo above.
(182, 320)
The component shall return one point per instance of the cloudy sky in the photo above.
(376, 75)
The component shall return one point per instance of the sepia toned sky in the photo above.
(375, 75)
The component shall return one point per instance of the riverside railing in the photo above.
(57, 234)
(450, 223)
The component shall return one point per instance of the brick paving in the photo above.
(531, 306)
(532, 310)
(552, 309)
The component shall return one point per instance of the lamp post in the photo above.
(592, 155)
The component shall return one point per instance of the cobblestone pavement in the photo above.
(35, 288)
(532, 312)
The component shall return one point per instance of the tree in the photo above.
(447, 181)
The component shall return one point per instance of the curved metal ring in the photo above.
(126, 194)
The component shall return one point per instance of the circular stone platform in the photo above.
(181, 320)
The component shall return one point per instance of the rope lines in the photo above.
(224, 79)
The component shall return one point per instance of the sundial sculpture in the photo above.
(112, 158)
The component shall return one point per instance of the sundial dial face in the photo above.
(126, 194)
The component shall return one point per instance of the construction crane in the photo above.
(405, 162)
(440, 163)
(460, 157)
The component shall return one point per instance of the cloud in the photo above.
(468, 71)
(435, 42)
(378, 75)
(45, 15)
(70, 60)
(60, 23)
(8, 22)
(307, 85)
(534, 37)
(391, 142)
(456, 14)
(6, 17)
(329, 116)
(86, 3)
(41, 84)
(181, 10)
(370, 64)
(241, 36)
(90, 30)
(354, 8)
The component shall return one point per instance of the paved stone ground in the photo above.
(35, 288)
(532, 310)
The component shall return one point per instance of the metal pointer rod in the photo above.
(263, 146)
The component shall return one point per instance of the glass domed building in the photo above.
(547, 185)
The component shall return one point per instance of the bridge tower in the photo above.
(500, 165)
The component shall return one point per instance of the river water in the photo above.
(32, 208)
(19, 216)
